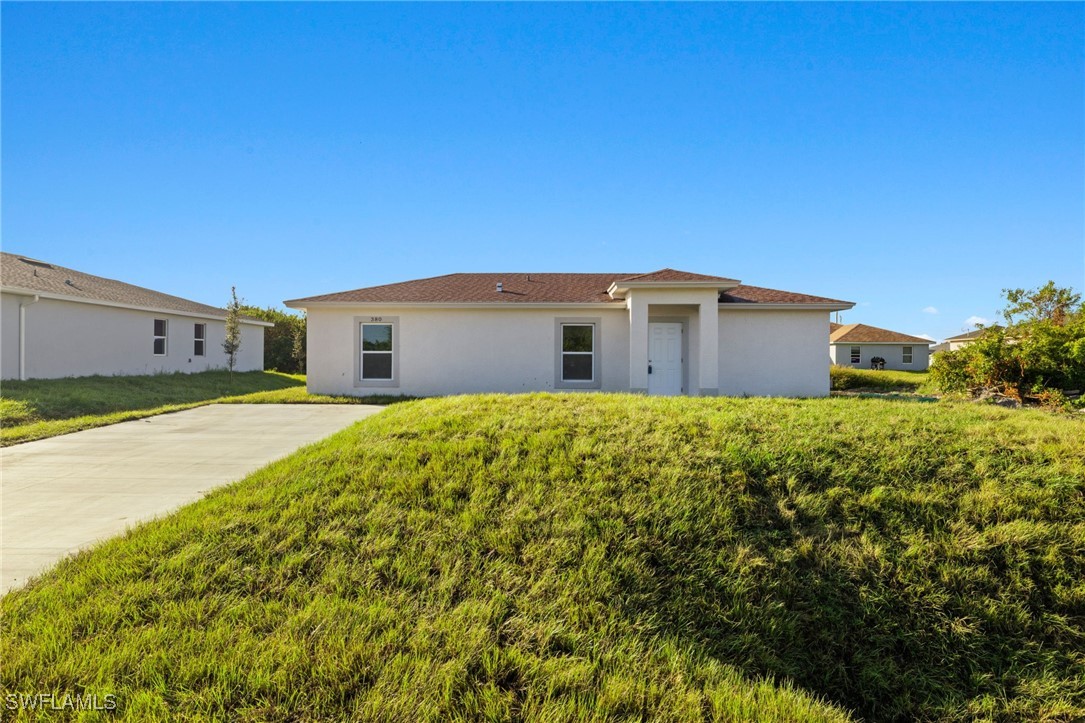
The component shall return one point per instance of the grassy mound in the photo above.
(597, 557)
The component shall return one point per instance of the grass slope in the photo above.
(844, 378)
(41, 408)
(598, 557)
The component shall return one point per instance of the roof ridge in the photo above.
(94, 288)
(842, 334)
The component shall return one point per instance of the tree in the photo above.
(1039, 351)
(299, 344)
(232, 344)
(284, 343)
(1048, 303)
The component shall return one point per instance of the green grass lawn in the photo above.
(599, 557)
(42, 408)
(843, 378)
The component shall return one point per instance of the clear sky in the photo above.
(911, 158)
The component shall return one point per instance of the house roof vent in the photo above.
(500, 287)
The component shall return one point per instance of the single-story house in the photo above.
(855, 345)
(963, 340)
(667, 332)
(58, 322)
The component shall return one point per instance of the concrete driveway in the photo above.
(62, 494)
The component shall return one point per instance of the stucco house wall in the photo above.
(773, 353)
(65, 339)
(892, 353)
(9, 336)
(459, 351)
(664, 332)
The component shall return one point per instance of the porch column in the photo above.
(638, 344)
(708, 317)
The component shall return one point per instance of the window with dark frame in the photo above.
(856, 357)
(160, 337)
(199, 339)
(376, 352)
(577, 352)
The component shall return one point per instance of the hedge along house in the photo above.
(667, 332)
(855, 345)
(57, 322)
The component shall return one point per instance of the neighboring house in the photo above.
(58, 322)
(963, 340)
(855, 345)
(668, 333)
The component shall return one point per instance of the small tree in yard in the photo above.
(233, 330)
(298, 346)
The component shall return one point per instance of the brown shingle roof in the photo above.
(520, 288)
(743, 294)
(20, 272)
(674, 275)
(859, 333)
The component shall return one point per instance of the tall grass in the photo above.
(593, 557)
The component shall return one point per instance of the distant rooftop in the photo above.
(21, 273)
(860, 333)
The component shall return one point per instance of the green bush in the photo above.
(1042, 347)
(284, 344)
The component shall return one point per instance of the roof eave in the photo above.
(798, 305)
(910, 342)
(305, 304)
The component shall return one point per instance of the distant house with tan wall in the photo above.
(962, 340)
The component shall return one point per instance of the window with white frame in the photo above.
(376, 352)
(577, 352)
(856, 356)
(199, 342)
(160, 327)
(907, 355)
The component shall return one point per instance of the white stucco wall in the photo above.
(9, 336)
(773, 353)
(66, 339)
(892, 353)
(469, 350)
(460, 351)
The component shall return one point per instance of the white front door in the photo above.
(665, 359)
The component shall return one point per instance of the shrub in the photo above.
(284, 343)
(1042, 347)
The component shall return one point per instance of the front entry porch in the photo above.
(674, 341)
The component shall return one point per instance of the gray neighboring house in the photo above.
(854, 345)
(58, 322)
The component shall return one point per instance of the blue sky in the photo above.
(905, 157)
